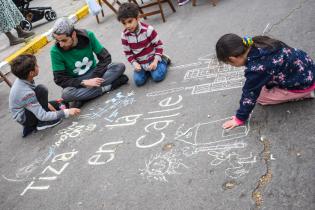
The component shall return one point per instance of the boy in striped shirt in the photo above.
(142, 46)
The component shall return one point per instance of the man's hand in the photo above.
(51, 108)
(74, 111)
(95, 82)
(137, 66)
(153, 65)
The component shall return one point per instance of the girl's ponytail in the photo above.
(231, 45)
(266, 42)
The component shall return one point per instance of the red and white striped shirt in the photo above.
(143, 45)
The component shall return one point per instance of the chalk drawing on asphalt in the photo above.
(22, 174)
(111, 107)
(159, 166)
(105, 153)
(210, 133)
(73, 133)
(222, 77)
(238, 165)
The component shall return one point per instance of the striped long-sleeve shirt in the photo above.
(143, 45)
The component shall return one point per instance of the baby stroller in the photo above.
(33, 14)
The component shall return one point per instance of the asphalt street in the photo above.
(162, 146)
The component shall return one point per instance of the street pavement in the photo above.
(161, 146)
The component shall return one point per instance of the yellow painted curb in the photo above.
(84, 11)
(32, 47)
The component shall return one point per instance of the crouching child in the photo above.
(29, 103)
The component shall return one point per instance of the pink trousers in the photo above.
(278, 96)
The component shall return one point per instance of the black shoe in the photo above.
(166, 59)
(27, 131)
(42, 125)
(123, 79)
(76, 104)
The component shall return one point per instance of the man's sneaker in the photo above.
(182, 2)
(121, 80)
(27, 131)
(166, 59)
(42, 125)
(76, 104)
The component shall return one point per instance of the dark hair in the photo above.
(23, 65)
(232, 45)
(127, 10)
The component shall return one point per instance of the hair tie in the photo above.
(248, 41)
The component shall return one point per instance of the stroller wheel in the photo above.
(26, 25)
(50, 15)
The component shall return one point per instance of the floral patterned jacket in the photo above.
(285, 68)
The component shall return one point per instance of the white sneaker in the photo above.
(42, 125)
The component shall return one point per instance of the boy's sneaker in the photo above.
(166, 59)
(123, 79)
(182, 2)
(42, 125)
(312, 94)
(27, 131)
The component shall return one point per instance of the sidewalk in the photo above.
(62, 8)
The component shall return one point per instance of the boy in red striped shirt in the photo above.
(142, 46)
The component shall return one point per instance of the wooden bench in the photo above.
(153, 3)
(100, 3)
(141, 7)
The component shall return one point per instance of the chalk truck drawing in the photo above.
(203, 137)
(209, 133)
(218, 142)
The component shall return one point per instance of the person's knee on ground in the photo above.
(140, 77)
(158, 76)
(159, 73)
(139, 81)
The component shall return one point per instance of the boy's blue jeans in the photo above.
(140, 77)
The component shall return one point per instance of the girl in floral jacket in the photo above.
(275, 73)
